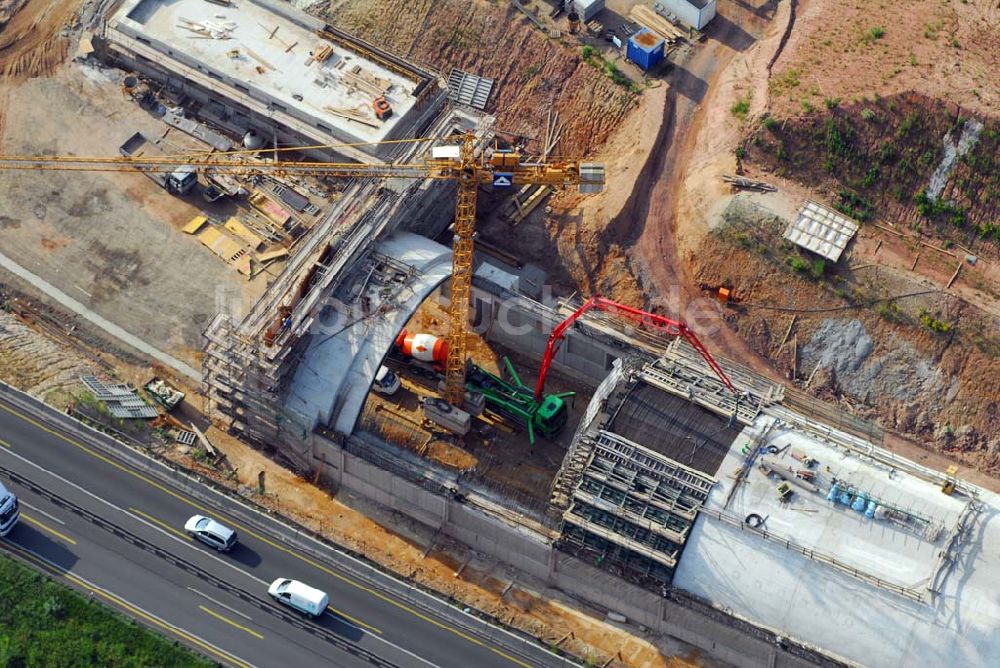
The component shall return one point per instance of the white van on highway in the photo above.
(10, 511)
(300, 596)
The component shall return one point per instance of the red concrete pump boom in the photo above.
(650, 320)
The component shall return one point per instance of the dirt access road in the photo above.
(650, 220)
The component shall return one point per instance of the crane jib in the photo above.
(465, 163)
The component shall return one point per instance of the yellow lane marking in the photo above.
(153, 620)
(46, 566)
(161, 523)
(355, 620)
(4, 443)
(45, 527)
(377, 594)
(231, 622)
(56, 570)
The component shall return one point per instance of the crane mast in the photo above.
(463, 247)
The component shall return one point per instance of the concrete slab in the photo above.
(251, 46)
(810, 601)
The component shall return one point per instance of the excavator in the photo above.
(464, 163)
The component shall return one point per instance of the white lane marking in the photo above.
(367, 575)
(41, 512)
(112, 595)
(191, 545)
(222, 605)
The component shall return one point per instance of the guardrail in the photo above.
(257, 601)
(477, 623)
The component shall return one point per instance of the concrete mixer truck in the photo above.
(508, 398)
(425, 354)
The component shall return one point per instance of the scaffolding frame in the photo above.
(632, 508)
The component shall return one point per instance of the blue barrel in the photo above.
(859, 503)
(871, 509)
(832, 496)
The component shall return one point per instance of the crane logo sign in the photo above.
(502, 179)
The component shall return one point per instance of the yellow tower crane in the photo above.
(461, 163)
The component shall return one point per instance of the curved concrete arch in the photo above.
(337, 370)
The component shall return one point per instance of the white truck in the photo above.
(10, 511)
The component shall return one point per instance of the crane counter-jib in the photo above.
(560, 174)
(223, 166)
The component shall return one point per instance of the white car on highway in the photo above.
(9, 511)
(211, 533)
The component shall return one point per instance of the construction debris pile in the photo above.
(211, 29)
(122, 400)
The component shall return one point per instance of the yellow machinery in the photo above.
(461, 163)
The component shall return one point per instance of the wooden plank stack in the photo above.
(645, 16)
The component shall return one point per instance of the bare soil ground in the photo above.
(946, 49)
(110, 240)
(533, 73)
(570, 240)
(8, 8)
(678, 194)
(34, 363)
(872, 159)
(884, 359)
(34, 35)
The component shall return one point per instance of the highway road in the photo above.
(108, 520)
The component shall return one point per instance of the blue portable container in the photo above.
(646, 49)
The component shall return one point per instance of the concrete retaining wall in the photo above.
(531, 553)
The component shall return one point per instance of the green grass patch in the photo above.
(932, 29)
(813, 269)
(741, 108)
(44, 623)
(872, 35)
(939, 210)
(591, 56)
(933, 324)
(890, 311)
(855, 206)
